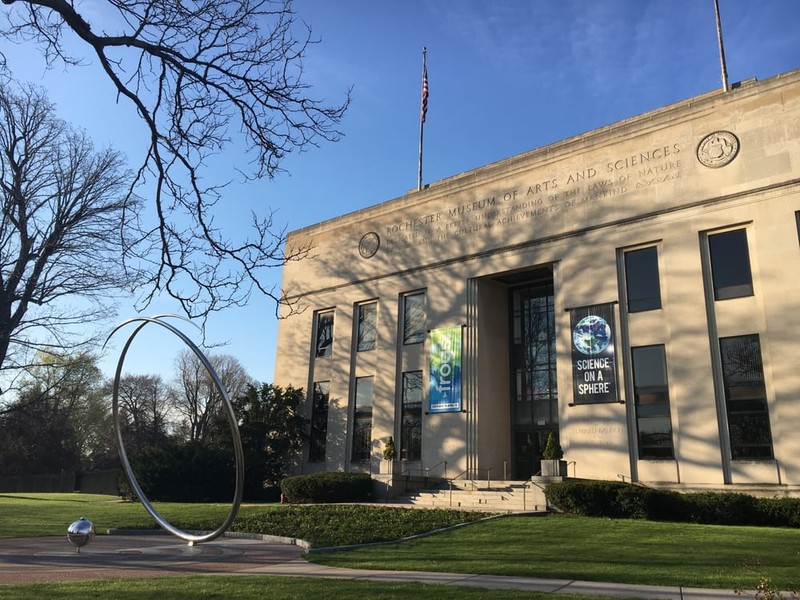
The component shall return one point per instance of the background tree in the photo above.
(272, 427)
(195, 396)
(59, 421)
(64, 227)
(198, 74)
(143, 404)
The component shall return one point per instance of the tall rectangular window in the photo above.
(324, 333)
(414, 318)
(367, 326)
(797, 219)
(411, 425)
(641, 279)
(362, 419)
(730, 264)
(651, 393)
(319, 422)
(745, 397)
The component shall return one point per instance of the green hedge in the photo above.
(183, 473)
(627, 501)
(326, 488)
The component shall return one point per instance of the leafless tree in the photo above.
(198, 74)
(66, 211)
(196, 397)
(144, 409)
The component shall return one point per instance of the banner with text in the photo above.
(594, 374)
(444, 391)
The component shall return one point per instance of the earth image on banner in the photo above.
(591, 335)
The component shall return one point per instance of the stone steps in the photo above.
(499, 496)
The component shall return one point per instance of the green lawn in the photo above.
(565, 547)
(32, 515)
(597, 549)
(260, 588)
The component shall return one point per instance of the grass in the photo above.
(597, 549)
(564, 547)
(34, 515)
(31, 515)
(258, 588)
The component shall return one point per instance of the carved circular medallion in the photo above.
(369, 244)
(718, 149)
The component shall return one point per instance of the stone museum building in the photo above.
(634, 290)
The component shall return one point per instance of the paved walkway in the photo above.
(29, 560)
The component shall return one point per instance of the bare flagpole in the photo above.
(423, 111)
(721, 48)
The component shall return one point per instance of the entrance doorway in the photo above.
(534, 388)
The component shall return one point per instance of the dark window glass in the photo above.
(533, 357)
(319, 422)
(730, 264)
(367, 330)
(325, 333)
(641, 279)
(411, 425)
(797, 218)
(652, 402)
(746, 397)
(414, 320)
(362, 420)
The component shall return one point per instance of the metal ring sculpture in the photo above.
(237, 440)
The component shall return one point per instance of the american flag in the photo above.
(424, 109)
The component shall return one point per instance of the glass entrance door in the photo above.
(534, 389)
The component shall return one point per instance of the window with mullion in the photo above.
(642, 283)
(367, 327)
(730, 264)
(411, 416)
(651, 393)
(324, 333)
(414, 318)
(362, 419)
(319, 421)
(746, 398)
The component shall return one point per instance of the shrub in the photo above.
(780, 511)
(622, 500)
(184, 473)
(329, 487)
(723, 508)
(590, 498)
(552, 449)
(354, 524)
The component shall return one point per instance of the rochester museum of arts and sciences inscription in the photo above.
(540, 199)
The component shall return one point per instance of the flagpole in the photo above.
(721, 48)
(423, 110)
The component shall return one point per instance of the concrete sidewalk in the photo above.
(28, 560)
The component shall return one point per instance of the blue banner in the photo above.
(444, 391)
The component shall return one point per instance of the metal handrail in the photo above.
(468, 472)
(441, 462)
(574, 466)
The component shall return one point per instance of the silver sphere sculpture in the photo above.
(80, 533)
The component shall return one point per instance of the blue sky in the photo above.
(506, 76)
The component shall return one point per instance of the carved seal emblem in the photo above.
(717, 149)
(369, 244)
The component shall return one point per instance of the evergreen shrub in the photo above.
(622, 500)
(724, 508)
(327, 488)
(184, 473)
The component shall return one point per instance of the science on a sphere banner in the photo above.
(594, 373)
(444, 390)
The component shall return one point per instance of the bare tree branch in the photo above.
(199, 74)
(61, 230)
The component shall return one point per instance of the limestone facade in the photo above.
(684, 223)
